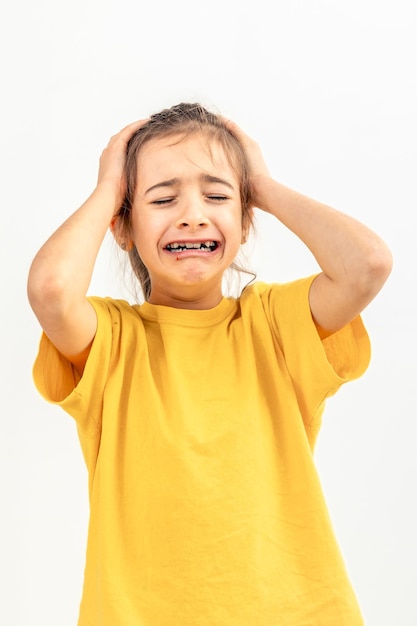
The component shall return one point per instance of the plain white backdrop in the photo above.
(329, 89)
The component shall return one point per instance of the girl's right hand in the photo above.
(112, 160)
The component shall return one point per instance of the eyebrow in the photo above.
(208, 178)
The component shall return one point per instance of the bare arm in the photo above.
(61, 271)
(355, 262)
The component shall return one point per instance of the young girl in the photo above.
(198, 413)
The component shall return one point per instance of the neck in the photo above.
(193, 301)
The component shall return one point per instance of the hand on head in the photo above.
(113, 157)
(257, 165)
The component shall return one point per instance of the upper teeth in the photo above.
(190, 245)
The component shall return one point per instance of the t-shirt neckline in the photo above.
(187, 317)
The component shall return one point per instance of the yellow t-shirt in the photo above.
(198, 428)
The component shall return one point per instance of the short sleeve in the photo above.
(55, 380)
(317, 368)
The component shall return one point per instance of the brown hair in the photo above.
(184, 119)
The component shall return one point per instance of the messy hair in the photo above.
(184, 119)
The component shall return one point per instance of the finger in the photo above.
(228, 123)
(236, 130)
(133, 126)
(126, 132)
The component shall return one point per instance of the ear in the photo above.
(246, 225)
(120, 234)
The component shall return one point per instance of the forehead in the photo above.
(169, 155)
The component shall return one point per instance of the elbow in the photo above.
(45, 291)
(375, 270)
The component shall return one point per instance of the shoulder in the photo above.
(112, 308)
(283, 308)
(279, 299)
(260, 289)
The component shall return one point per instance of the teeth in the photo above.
(191, 245)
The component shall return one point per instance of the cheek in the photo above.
(144, 224)
(147, 231)
(233, 221)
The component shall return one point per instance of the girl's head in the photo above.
(181, 122)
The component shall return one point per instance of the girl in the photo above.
(198, 413)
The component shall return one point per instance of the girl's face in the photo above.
(186, 219)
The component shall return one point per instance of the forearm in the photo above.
(61, 272)
(345, 249)
(355, 262)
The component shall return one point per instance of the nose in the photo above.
(192, 214)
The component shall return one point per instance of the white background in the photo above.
(329, 90)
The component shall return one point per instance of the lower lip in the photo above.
(191, 253)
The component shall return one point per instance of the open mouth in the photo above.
(204, 246)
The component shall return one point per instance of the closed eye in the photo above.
(162, 201)
(217, 197)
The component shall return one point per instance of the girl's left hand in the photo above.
(257, 166)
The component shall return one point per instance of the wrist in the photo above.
(260, 186)
(109, 194)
